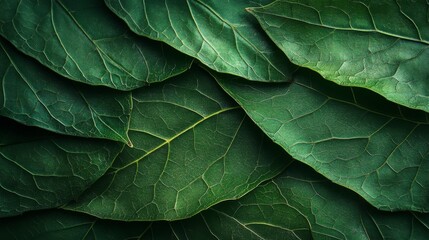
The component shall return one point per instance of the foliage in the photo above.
(203, 119)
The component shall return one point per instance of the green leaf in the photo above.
(299, 204)
(43, 170)
(193, 147)
(82, 40)
(33, 95)
(220, 34)
(379, 45)
(350, 135)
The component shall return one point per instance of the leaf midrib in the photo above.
(167, 141)
(357, 105)
(375, 30)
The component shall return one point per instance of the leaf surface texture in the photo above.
(44, 170)
(35, 96)
(298, 204)
(350, 135)
(193, 147)
(379, 45)
(222, 35)
(82, 40)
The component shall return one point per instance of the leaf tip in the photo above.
(248, 9)
(130, 144)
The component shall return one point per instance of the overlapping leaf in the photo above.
(352, 136)
(193, 147)
(197, 157)
(84, 41)
(41, 170)
(299, 204)
(33, 95)
(220, 34)
(379, 45)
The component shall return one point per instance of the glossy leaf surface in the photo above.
(33, 95)
(42, 170)
(299, 204)
(220, 34)
(379, 45)
(82, 40)
(193, 147)
(350, 135)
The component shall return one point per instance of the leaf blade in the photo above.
(35, 96)
(323, 209)
(351, 136)
(194, 27)
(52, 170)
(298, 204)
(352, 44)
(188, 155)
(67, 35)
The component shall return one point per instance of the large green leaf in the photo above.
(193, 147)
(299, 204)
(379, 45)
(33, 95)
(40, 170)
(222, 35)
(84, 41)
(351, 135)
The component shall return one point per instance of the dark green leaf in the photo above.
(299, 204)
(84, 41)
(193, 147)
(220, 34)
(40, 170)
(33, 95)
(352, 136)
(379, 45)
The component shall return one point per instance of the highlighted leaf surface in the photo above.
(43, 170)
(350, 135)
(82, 40)
(221, 34)
(33, 95)
(193, 147)
(379, 45)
